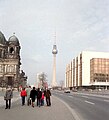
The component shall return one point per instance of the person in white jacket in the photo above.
(28, 90)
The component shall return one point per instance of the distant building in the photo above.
(88, 70)
(9, 61)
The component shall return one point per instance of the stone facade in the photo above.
(9, 61)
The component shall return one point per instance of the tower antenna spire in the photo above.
(55, 37)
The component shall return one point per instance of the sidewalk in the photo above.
(16, 96)
(57, 111)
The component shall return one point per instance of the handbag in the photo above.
(4, 97)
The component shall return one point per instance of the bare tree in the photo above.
(43, 79)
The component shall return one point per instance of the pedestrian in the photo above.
(42, 99)
(28, 90)
(23, 94)
(47, 94)
(8, 96)
(39, 95)
(33, 95)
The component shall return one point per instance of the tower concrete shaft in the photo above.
(54, 82)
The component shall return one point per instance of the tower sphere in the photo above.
(54, 51)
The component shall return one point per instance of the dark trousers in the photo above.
(8, 103)
(48, 101)
(28, 101)
(38, 102)
(23, 100)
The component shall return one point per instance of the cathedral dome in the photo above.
(2, 39)
(13, 39)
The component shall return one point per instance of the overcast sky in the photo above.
(79, 25)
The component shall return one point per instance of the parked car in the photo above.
(74, 90)
(67, 91)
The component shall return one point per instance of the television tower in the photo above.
(54, 52)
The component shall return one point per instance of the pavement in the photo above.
(2, 101)
(57, 111)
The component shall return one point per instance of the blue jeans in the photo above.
(42, 102)
(38, 102)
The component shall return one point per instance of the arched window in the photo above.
(11, 50)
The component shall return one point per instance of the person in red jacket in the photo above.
(23, 94)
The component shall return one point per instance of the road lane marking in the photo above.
(89, 102)
(70, 96)
(106, 100)
(85, 96)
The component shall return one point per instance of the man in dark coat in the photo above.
(39, 96)
(47, 94)
(33, 95)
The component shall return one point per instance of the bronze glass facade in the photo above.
(99, 70)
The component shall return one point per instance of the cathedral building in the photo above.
(9, 61)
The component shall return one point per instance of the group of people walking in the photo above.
(35, 94)
(29, 95)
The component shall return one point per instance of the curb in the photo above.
(74, 114)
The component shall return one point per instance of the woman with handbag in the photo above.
(8, 96)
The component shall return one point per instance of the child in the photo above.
(42, 99)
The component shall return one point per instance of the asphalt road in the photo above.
(86, 106)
